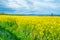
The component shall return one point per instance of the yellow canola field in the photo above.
(40, 25)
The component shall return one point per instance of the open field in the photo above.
(29, 27)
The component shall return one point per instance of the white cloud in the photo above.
(41, 5)
(49, 0)
(13, 5)
(34, 6)
(16, 4)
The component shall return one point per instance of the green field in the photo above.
(29, 27)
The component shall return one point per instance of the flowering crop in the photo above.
(32, 27)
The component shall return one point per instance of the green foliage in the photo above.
(6, 35)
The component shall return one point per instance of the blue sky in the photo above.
(30, 6)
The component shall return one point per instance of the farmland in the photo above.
(29, 27)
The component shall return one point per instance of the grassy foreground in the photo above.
(29, 27)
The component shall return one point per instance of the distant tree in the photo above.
(51, 14)
(2, 13)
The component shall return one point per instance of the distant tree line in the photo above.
(2, 13)
(20, 14)
(51, 14)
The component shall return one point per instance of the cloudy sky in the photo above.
(30, 6)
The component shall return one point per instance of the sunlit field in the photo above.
(29, 27)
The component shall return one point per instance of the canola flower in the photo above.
(32, 27)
